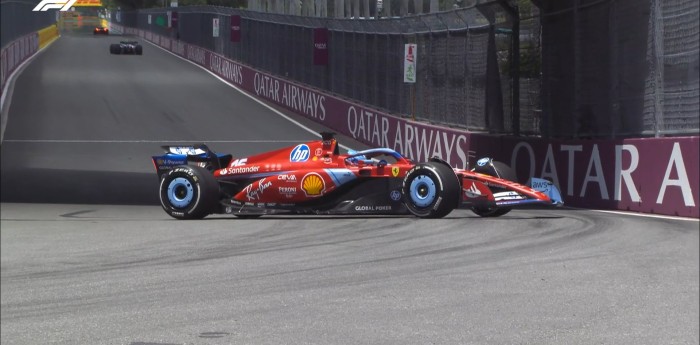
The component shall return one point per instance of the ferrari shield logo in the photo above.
(395, 171)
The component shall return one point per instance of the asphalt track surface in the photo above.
(88, 259)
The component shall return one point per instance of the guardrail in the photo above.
(47, 35)
(652, 175)
(19, 50)
(14, 54)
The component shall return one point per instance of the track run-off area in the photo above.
(88, 256)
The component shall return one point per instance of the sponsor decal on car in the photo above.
(300, 153)
(318, 152)
(255, 194)
(243, 170)
(238, 162)
(509, 202)
(287, 177)
(542, 186)
(161, 161)
(395, 171)
(373, 208)
(288, 191)
(313, 184)
(508, 196)
(395, 195)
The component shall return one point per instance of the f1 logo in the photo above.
(45, 5)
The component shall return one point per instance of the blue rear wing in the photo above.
(184, 154)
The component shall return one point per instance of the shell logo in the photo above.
(312, 184)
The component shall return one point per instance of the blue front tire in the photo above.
(431, 190)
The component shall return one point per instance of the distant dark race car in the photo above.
(126, 47)
(315, 178)
(100, 31)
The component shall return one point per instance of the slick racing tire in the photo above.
(431, 190)
(500, 170)
(114, 49)
(189, 192)
(138, 50)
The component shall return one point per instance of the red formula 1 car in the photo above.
(100, 31)
(314, 178)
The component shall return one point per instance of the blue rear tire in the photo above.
(189, 192)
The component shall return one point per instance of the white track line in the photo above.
(243, 92)
(646, 215)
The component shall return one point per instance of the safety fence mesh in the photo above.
(620, 68)
(569, 68)
(365, 57)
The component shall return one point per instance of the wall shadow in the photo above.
(78, 187)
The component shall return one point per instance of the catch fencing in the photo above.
(583, 68)
(460, 82)
(620, 68)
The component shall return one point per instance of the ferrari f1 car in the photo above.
(100, 31)
(126, 47)
(315, 178)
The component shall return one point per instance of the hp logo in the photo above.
(300, 153)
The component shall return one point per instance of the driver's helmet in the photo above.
(356, 159)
